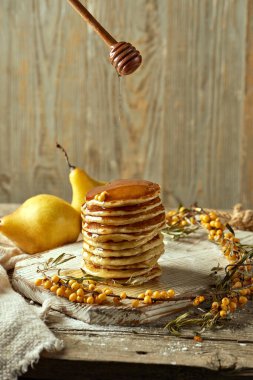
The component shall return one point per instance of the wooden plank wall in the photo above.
(185, 119)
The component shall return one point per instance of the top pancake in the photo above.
(123, 192)
(95, 210)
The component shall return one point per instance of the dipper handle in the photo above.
(123, 56)
(85, 14)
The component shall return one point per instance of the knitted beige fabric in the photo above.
(23, 335)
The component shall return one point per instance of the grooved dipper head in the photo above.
(125, 58)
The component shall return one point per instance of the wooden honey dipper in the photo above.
(123, 56)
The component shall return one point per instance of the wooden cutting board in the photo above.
(186, 267)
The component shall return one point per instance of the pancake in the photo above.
(114, 245)
(125, 219)
(156, 222)
(111, 274)
(124, 192)
(141, 265)
(121, 260)
(118, 237)
(130, 251)
(94, 210)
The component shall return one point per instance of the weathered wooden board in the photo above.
(186, 267)
(186, 115)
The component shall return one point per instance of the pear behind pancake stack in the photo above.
(122, 223)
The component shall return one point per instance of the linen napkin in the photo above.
(23, 335)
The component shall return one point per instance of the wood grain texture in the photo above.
(184, 119)
(246, 153)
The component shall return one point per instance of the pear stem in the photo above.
(71, 167)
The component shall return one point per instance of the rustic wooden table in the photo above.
(96, 352)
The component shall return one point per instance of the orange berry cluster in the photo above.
(228, 305)
(90, 293)
(180, 218)
(212, 223)
(198, 300)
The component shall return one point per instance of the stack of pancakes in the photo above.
(122, 223)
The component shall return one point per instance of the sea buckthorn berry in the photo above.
(55, 279)
(79, 299)
(92, 282)
(156, 294)
(71, 282)
(217, 224)
(215, 305)
(224, 307)
(54, 288)
(80, 292)
(148, 292)
(232, 258)
(75, 285)
(183, 223)
(195, 302)
(67, 292)
(72, 297)
(91, 287)
(171, 293)
(243, 300)
(212, 223)
(198, 338)
(182, 209)
(244, 292)
(201, 299)
(90, 300)
(228, 235)
(116, 300)
(207, 226)
(237, 285)
(163, 294)
(135, 303)
(123, 295)
(225, 301)
(212, 232)
(213, 215)
(98, 290)
(108, 291)
(60, 292)
(38, 281)
(223, 313)
(219, 232)
(47, 284)
(147, 300)
(101, 197)
(206, 218)
(233, 306)
(101, 297)
(171, 213)
(141, 296)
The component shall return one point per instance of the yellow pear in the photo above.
(81, 183)
(42, 222)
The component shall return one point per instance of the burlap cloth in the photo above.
(23, 334)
